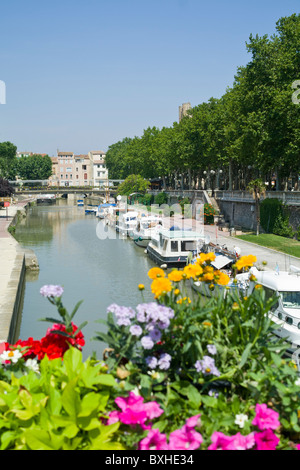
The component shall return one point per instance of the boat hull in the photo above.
(176, 261)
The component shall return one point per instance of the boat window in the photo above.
(271, 293)
(290, 299)
(174, 245)
(187, 245)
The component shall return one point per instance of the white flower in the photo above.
(240, 420)
(297, 382)
(33, 365)
(154, 375)
(11, 355)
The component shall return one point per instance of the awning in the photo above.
(221, 261)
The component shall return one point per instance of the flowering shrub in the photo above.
(178, 373)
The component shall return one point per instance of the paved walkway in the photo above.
(11, 259)
(271, 257)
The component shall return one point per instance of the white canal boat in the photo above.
(146, 229)
(286, 311)
(127, 222)
(174, 247)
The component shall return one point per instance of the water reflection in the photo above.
(70, 254)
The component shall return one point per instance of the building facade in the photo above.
(99, 172)
(81, 170)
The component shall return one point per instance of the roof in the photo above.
(279, 281)
(97, 152)
(65, 153)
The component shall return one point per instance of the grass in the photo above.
(282, 244)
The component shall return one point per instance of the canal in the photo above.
(89, 260)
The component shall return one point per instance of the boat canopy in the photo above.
(278, 280)
(221, 261)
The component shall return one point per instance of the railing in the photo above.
(287, 197)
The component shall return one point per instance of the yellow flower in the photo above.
(185, 299)
(206, 323)
(221, 278)
(245, 262)
(141, 286)
(160, 286)
(153, 273)
(175, 275)
(206, 257)
(192, 270)
(208, 277)
(176, 292)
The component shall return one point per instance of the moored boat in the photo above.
(174, 247)
(146, 228)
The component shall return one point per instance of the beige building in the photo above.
(99, 172)
(183, 110)
(69, 169)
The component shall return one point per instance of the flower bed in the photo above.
(178, 373)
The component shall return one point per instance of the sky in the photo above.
(83, 75)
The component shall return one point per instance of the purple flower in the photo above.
(155, 334)
(207, 366)
(147, 342)
(51, 291)
(151, 362)
(136, 330)
(164, 361)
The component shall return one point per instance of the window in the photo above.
(290, 299)
(174, 245)
(271, 293)
(187, 245)
(84, 167)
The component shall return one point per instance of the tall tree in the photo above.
(8, 160)
(34, 167)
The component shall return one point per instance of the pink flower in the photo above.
(185, 438)
(135, 411)
(193, 421)
(265, 418)
(237, 442)
(131, 400)
(154, 441)
(266, 440)
(133, 416)
(113, 417)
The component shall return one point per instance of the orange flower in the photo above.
(192, 270)
(160, 286)
(175, 275)
(245, 262)
(153, 273)
(206, 257)
(221, 278)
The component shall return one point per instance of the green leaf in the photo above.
(245, 355)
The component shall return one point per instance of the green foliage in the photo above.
(60, 409)
(161, 198)
(8, 160)
(34, 167)
(132, 184)
(275, 218)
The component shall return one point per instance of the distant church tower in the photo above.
(183, 109)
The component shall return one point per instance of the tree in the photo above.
(35, 167)
(257, 188)
(8, 160)
(6, 189)
(133, 184)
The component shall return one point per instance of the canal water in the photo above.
(89, 260)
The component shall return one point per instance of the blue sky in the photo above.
(82, 75)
